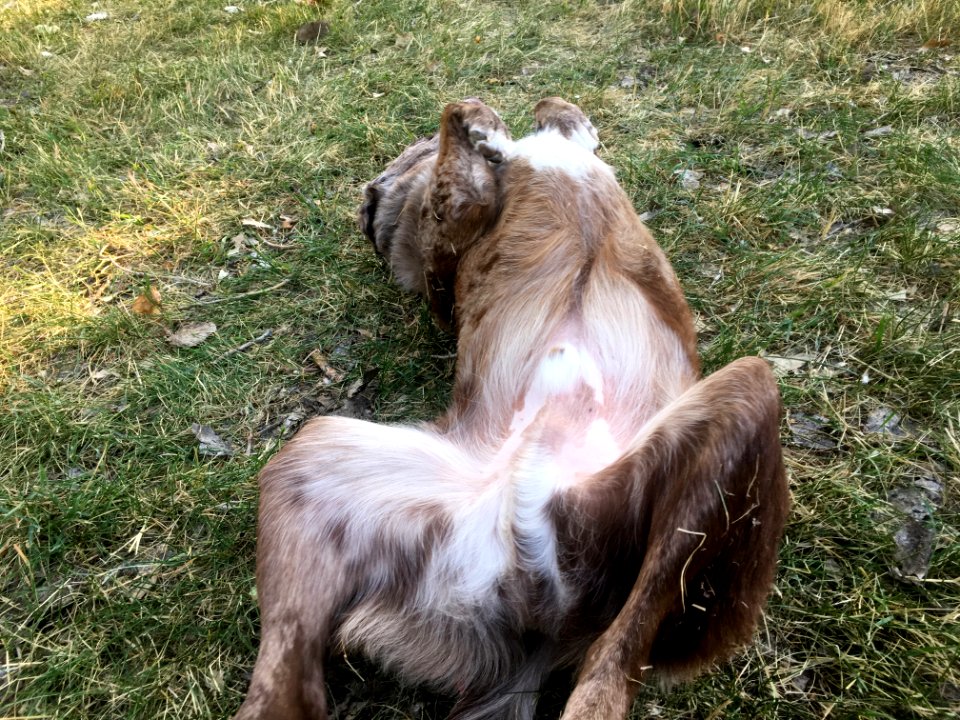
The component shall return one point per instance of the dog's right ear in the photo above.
(464, 200)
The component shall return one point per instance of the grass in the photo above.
(824, 230)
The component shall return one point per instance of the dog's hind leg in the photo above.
(708, 499)
(348, 513)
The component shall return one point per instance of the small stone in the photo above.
(311, 32)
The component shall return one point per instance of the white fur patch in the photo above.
(549, 150)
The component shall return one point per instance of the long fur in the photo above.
(586, 500)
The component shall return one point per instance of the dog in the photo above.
(586, 501)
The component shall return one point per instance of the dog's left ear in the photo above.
(464, 197)
(392, 210)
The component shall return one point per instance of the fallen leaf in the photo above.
(256, 224)
(785, 365)
(361, 396)
(879, 132)
(190, 335)
(810, 431)
(211, 444)
(288, 222)
(879, 215)
(948, 227)
(884, 420)
(241, 245)
(148, 302)
(914, 547)
(936, 43)
(920, 498)
(102, 375)
(690, 179)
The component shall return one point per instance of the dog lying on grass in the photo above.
(586, 501)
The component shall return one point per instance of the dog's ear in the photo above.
(392, 211)
(464, 197)
(557, 114)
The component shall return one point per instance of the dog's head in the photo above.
(441, 194)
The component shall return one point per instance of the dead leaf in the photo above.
(190, 335)
(899, 295)
(148, 303)
(879, 132)
(241, 245)
(288, 222)
(919, 498)
(360, 398)
(948, 227)
(914, 548)
(783, 365)
(810, 431)
(936, 43)
(690, 179)
(211, 444)
(256, 224)
(884, 420)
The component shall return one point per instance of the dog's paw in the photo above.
(557, 114)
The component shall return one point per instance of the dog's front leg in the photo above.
(708, 500)
(463, 200)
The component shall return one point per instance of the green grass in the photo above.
(134, 147)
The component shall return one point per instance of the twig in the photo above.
(251, 293)
(280, 246)
(262, 337)
(165, 276)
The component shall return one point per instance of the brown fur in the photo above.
(664, 557)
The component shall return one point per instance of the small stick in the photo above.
(262, 337)
(279, 246)
(251, 293)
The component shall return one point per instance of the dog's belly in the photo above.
(561, 430)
